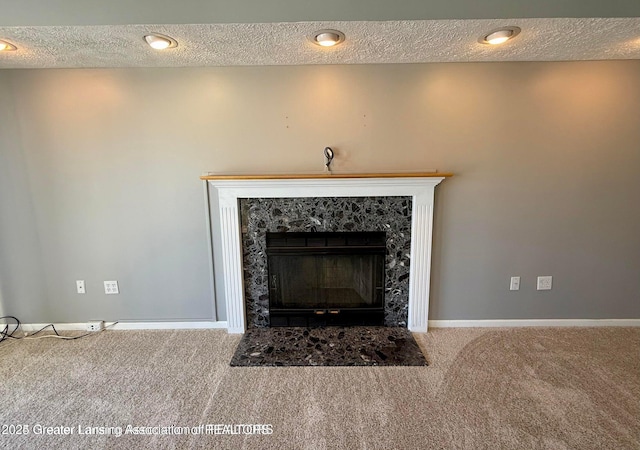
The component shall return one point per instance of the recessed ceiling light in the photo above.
(327, 38)
(7, 47)
(160, 41)
(500, 36)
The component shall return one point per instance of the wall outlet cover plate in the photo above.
(515, 284)
(95, 325)
(111, 287)
(544, 283)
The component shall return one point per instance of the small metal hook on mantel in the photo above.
(328, 154)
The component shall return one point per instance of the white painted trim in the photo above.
(212, 282)
(187, 325)
(205, 325)
(500, 323)
(31, 327)
(421, 190)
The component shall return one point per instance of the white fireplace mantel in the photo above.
(228, 189)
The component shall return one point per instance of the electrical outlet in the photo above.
(95, 325)
(80, 286)
(111, 287)
(515, 284)
(544, 283)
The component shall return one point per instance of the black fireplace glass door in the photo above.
(325, 281)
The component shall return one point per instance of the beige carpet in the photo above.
(493, 389)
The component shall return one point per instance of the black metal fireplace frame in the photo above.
(327, 243)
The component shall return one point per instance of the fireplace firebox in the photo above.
(326, 278)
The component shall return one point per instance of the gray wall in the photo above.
(22, 276)
(546, 157)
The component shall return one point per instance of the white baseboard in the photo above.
(202, 325)
(534, 323)
(31, 327)
(126, 325)
(208, 325)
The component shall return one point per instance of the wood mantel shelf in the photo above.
(311, 176)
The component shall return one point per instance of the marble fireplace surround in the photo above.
(227, 190)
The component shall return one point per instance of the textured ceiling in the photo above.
(413, 41)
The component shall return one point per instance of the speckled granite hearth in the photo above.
(389, 214)
(330, 346)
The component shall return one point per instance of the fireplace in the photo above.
(244, 297)
(326, 278)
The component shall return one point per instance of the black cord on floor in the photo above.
(45, 327)
(8, 333)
